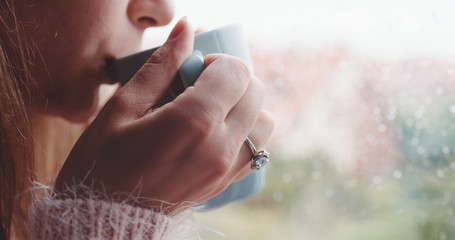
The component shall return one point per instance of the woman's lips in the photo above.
(123, 69)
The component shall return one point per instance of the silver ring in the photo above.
(259, 159)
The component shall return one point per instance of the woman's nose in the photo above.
(150, 13)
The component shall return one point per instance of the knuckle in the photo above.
(217, 170)
(229, 152)
(220, 164)
(201, 118)
(238, 66)
(199, 122)
(267, 121)
(241, 67)
(200, 126)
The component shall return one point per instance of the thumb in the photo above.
(152, 81)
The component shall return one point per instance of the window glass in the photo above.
(363, 94)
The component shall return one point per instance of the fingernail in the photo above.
(178, 28)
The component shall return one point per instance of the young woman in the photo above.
(136, 167)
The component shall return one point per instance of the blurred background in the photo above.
(363, 93)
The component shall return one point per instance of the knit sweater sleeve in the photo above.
(100, 219)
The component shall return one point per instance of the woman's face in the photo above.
(73, 39)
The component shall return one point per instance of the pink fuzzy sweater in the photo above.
(97, 219)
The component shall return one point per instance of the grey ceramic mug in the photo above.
(229, 40)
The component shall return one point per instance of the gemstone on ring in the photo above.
(260, 159)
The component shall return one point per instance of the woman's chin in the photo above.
(76, 111)
(77, 108)
(85, 111)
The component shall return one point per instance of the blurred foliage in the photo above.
(309, 199)
(403, 116)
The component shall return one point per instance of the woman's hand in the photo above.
(188, 150)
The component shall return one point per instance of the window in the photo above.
(363, 92)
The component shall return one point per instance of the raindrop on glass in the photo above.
(397, 174)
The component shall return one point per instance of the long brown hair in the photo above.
(16, 142)
(28, 152)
